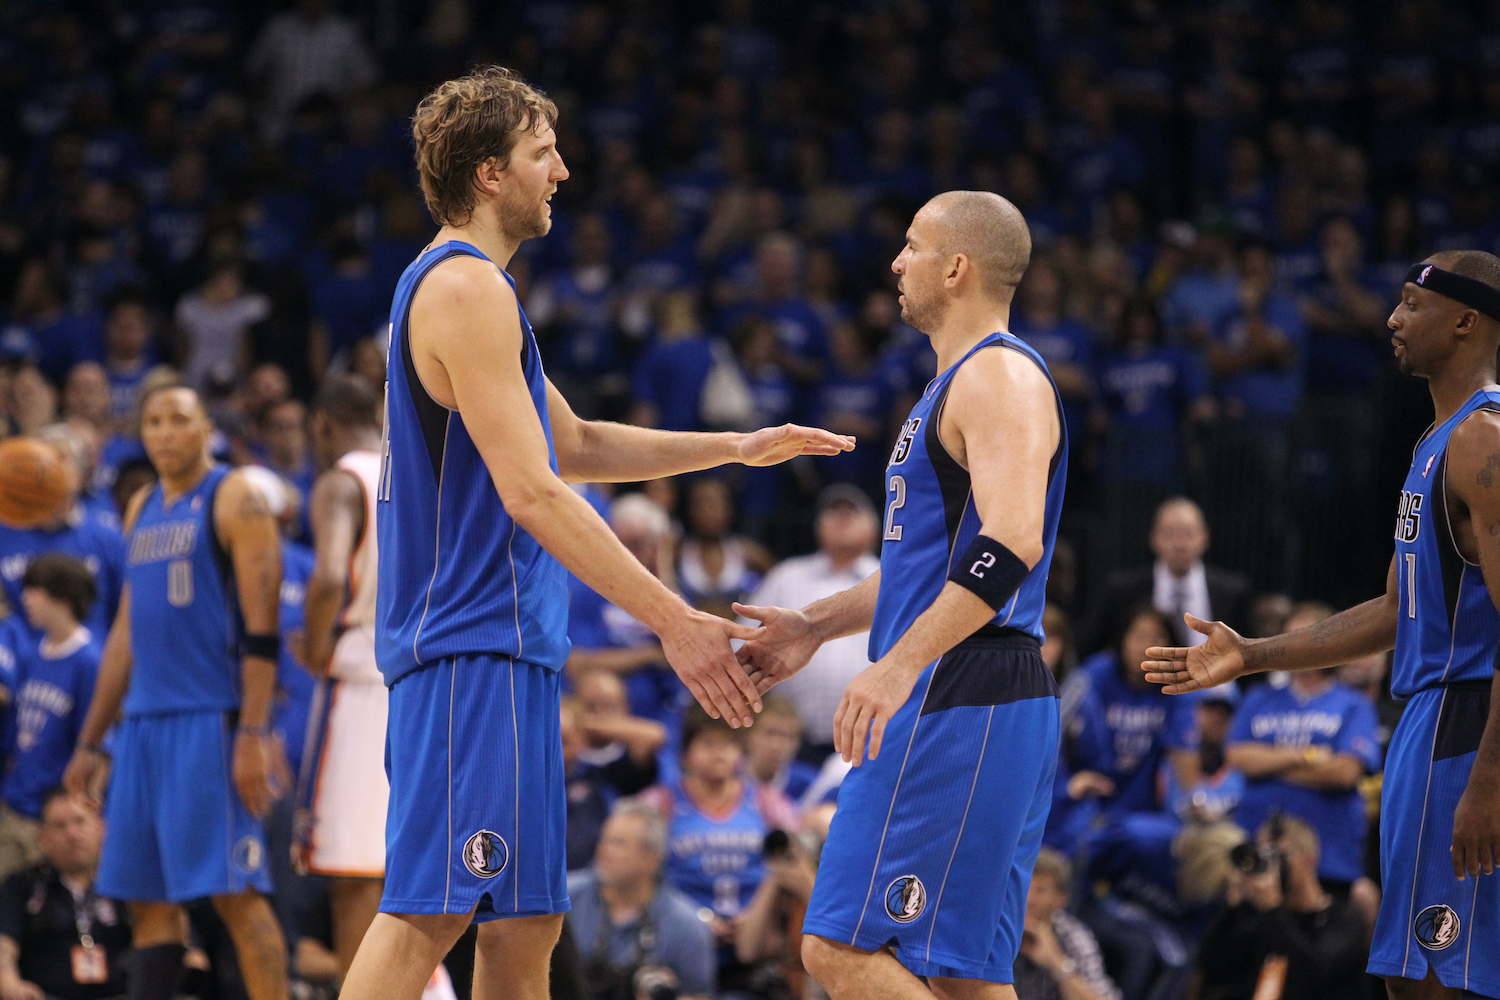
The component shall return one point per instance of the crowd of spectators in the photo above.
(1223, 198)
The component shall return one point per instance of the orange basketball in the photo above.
(33, 482)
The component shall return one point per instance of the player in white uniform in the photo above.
(343, 788)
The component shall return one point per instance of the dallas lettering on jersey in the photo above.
(39, 701)
(1409, 517)
(1296, 729)
(169, 540)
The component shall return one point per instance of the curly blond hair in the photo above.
(465, 122)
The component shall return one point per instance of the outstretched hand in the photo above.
(786, 642)
(1184, 669)
(774, 445)
(698, 650)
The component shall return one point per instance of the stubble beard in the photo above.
(925, 316)
(523, 219)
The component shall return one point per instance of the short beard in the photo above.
(924, 316)
(521, 219)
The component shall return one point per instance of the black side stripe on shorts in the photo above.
(1461, 722)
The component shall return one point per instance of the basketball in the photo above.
(33, 482)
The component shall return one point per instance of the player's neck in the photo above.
(1453, 386)
(173, 487)
(484, 231)
(966, 324)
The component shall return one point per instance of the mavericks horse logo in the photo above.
(1436, 927)
(905, 899)
(485, 854)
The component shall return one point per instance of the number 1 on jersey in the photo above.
(1411, 585)
(892, 529)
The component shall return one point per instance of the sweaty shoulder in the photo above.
(1474, 454)
(464, 315)
(999, 382)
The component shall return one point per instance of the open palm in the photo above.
(774, 445)
(1185, 669)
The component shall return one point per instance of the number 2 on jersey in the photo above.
(892, 529)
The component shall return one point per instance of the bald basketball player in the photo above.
(930, 855)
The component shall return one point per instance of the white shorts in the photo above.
(345, 833)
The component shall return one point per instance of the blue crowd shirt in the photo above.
(1340, 719)
(90, 538)
(54, 692)
(1266, 392)
(1124, 733)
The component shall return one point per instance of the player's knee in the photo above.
(523, 944)
(826, 961)
(157, 923)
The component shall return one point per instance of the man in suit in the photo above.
(1177, 582)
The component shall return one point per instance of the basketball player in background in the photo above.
(1438, 932)
(343, 787)
(476, 524)
(192, 659)
(929, 857)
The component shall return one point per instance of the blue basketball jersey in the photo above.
(716, 862)
(185, 621)
(458, 576)
(930, 517)
(1446, 626)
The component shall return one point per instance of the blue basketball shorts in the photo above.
(477, 819)
(932, 846)
(175, 828)
(1428, 918)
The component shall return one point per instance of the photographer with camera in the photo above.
(640, 939)
(1282, 935)
(768, 931)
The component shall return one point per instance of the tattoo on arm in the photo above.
(253, 506)
(1486, 475)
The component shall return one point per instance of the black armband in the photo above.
(989, 570)
(267, 647)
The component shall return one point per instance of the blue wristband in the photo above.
(989, 570)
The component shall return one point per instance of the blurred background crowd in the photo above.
(1223, 197)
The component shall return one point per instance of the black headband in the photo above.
(1470, 292)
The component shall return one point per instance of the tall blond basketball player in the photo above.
(343, 789)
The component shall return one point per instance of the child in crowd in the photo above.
(55, 682)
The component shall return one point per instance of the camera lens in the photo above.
(1248, 858)
(777, 844)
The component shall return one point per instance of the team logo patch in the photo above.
(1436, 927)
(486, 854)
(905, 899)
(248, 854)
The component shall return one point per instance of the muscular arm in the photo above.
(849, 612)
(597, 451)
(466, 338)
(1361, 630)
(337, 513)
(1474, 482)
(248, 533)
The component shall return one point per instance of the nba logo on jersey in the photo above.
(1409, 517)
(905, 899)
(485, 854)
(1436, 927)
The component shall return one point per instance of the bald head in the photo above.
(989, 231)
